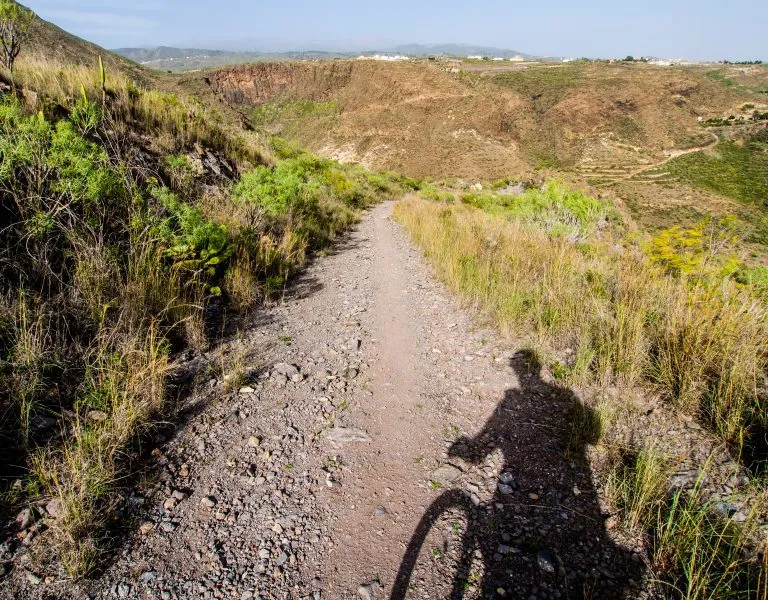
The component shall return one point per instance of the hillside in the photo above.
(49, 43)
(611, 125)
(531, 364)
(180, 60)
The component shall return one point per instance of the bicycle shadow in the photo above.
(542, 534)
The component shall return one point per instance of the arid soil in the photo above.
(445, 119)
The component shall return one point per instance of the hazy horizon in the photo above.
(687, 29)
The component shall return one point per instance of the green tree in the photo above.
(14, 30)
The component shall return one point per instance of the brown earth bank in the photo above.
(411, 118)
(440, 120)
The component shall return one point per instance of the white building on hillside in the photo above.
(384, 57)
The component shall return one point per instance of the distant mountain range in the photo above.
(457, 50)
(186, 59)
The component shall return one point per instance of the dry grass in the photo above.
(31, 353)
(696, 553)
(125, 390)
(241, 283)
(698, 336)
(704, 344)
(177, 120)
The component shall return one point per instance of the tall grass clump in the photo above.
(696, 552)
(671, 313)
(122, 393)
(176, 121)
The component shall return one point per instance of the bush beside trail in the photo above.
(117, 247)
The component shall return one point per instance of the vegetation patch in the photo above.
(288, 111)
(545, 87)
(113, 252)
(677, 312)
(561, 210)
(733, 170)
(696, 551)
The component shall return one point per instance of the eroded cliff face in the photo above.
(266, 82)
(414, 118)
(603, 122)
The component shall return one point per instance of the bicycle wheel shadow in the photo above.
(542, 534)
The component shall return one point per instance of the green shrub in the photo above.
(274, 191)
(180, 171)
(556, 207)
(706, 250)
(86, 115)
(735, 171)
(193, 242)
(756, 277)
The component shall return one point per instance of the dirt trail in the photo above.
(671, 155)
(378, 422)
(387, 489)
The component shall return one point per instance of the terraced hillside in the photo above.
(613, 125)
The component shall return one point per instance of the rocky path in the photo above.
(378, 422)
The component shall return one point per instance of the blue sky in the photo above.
(695, 29)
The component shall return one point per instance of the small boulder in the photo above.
(346, 435)
(54, 508)
(146, 527)
(25, 519)
(546, 560)
(446, 475)
(286, 370)
(367, 591)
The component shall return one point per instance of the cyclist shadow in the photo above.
(542, 533)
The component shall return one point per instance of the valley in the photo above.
(612, 126)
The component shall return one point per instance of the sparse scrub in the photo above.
(733, 170)
(292, 110)
(122, 392)
(670, 315)
(695, 552)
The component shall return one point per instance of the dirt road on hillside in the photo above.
(384, 445)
